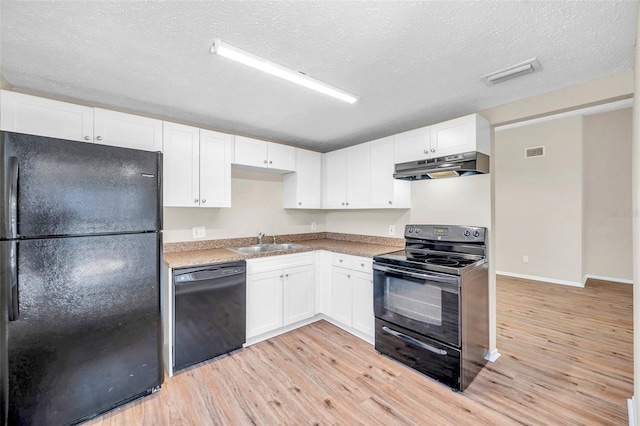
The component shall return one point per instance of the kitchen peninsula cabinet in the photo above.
(264, 155)
(303, 189)
(197, 167)
(46, 117)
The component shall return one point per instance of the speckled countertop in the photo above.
(180, 255)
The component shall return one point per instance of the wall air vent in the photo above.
(514, 71)
(538, 151)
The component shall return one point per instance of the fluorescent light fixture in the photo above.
(239, 55)
(517, 70)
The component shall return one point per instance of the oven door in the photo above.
(423, 302)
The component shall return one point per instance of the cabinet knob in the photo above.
(196, 200)
(87, 138)
(426, 151)
(347, 203)
(299, 203)
(362, 265)
(286, 275)
(348, 276)
(343, 204)
(265, 161)
(340, 260)
(270, 162)
(433, 150)
(99, 138)
(204, 201)
(390, 202)
(281, 276)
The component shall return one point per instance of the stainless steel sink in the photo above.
(264, 248)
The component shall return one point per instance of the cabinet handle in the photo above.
(286, 275)
(87, 138)
(99, 138)
(362, 265)
(281, 276)
(196, 200)
(270, 162)
(426, 151)
(265, 161)
(433, 150)
(340, 260)
(299, 203)
(347, 203)
(390, 202)
(343, 204)
(348, 276)
(204, 201)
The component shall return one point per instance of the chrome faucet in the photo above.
(260, 236)
(274, 239)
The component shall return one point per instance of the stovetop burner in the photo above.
(441, 261)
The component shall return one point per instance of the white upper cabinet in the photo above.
(45, 117)
(197, 167)
(464, 134)
(265, 155)
(303, 189)
(348, 178)
(413, 145)
(215, 168)
(127, 130)
(387, 192)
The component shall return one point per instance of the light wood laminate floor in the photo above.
(566, 360)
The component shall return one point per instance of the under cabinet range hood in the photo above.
(466, 164)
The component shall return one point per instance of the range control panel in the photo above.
(453, 233)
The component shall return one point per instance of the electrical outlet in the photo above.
(525, 259)
(314, 226)
(198, 232)
(392, 230)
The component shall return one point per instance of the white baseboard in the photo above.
(492, 356)
(599, 277)
(543, 279)
(632, 411)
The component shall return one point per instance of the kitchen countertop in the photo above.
(183, 259)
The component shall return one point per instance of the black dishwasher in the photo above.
(210, 312)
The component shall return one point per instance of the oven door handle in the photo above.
(429, 277)
(414, 341)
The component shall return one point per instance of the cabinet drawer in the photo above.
(342, 260)
(362, 264)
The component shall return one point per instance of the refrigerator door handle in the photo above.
(12, 202)
(13, 305)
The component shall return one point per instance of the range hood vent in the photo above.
(467, 164)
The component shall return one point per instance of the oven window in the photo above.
(420, 302)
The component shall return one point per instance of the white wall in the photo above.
(538, 201)
(607, 195)
(256, 200)
(368, 222)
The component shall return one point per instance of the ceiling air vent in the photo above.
(514, 71)
(538, 151)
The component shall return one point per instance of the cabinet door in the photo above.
(363, 318)
(181, 165)
(341, 295)
(281, 157)
(413, 145)
(299, 293)
(250, 152)
(453, 136)
(335, 175)
(303, 189)
(215, 169)
(387, 192)
(45, 117)
(264, 302)
(359, 176)
(127, 130)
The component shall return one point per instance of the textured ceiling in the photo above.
(411, 63)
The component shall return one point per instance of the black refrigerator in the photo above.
(80, 251)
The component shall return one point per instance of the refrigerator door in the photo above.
(88, 337)
(77, 188)
(5, 280)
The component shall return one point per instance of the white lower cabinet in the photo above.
(280, 292)
(352, 293)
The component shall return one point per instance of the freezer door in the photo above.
(76, 188)
(88, 337)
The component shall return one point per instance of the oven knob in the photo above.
(409, 230)
(467, 233)
(417, 230)
(476, 234)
